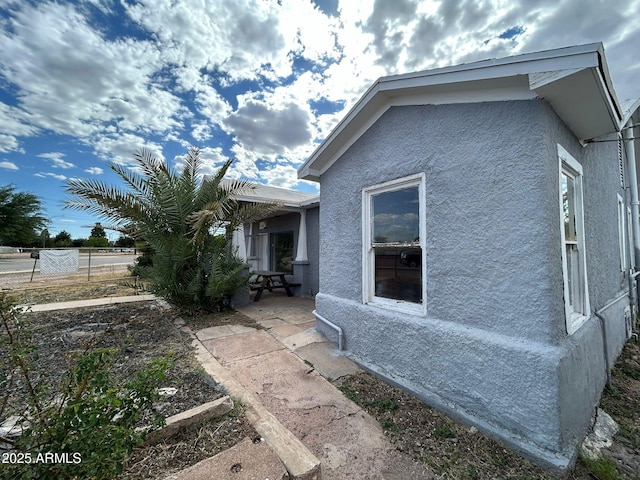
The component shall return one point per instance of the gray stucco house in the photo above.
(286, 241)
(479, 231)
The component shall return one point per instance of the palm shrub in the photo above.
(186, 219)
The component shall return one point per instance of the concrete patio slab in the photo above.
(303, 338)
(214, 332)
(348, 442)
(245, 461)
(243, 345)
(327, 361)
(297, 458)
(284, 331)
(241, 329)
(296, 317)
(279, 377)
(272, 322)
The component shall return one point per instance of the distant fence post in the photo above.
(35, 256)
(89, 268)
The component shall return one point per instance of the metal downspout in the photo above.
(607, 367)
(629, 149)
(332, 325)
(633, 189)
(603, 329)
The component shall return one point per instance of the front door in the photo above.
(282, 252)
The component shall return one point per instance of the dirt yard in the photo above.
(455, 451)
(140, 331)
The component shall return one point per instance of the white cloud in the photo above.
(282, 175)
(95, 170)
(9, 166)
(56, 159)
(241, 38)
(73, 81)
(120, 148)
(9, 143)
(49, 174)
(201, 132)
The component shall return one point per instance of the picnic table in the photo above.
(269, 280)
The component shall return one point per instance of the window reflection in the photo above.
(396, 245)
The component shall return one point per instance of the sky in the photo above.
(88, 82)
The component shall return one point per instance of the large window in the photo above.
(393, 239)
(576, 298)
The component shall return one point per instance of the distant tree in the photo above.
(62, 239)
(21, 217)
(177, 215)
(78, 242)
(98, 231)
(96, 242)
(45, 238)
(124, 242)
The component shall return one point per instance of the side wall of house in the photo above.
(494, 279)
(582, 370)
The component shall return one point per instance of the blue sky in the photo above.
(86, 82)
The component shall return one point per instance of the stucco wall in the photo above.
(493, 348)
(485, 186)
(582, 369)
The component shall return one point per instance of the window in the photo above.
(394, 267)
(576, 298)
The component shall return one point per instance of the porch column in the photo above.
(301, 254)
(250, 240)
(239, 241)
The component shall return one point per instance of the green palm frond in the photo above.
(177, 215)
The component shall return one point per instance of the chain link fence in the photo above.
(28, 265)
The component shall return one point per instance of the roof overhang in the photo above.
(288, 200)
(574, 80)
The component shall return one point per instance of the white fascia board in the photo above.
(629, 108)
(455, 84)
(494, 89)
(365, 114)
(572, 58)
(312, 202)
(361, 116)
(282, 202)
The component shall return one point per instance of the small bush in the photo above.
(84, 428)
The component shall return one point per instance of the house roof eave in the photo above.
(554, 75)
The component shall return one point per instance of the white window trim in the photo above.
(569, 165)
(368, 255)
